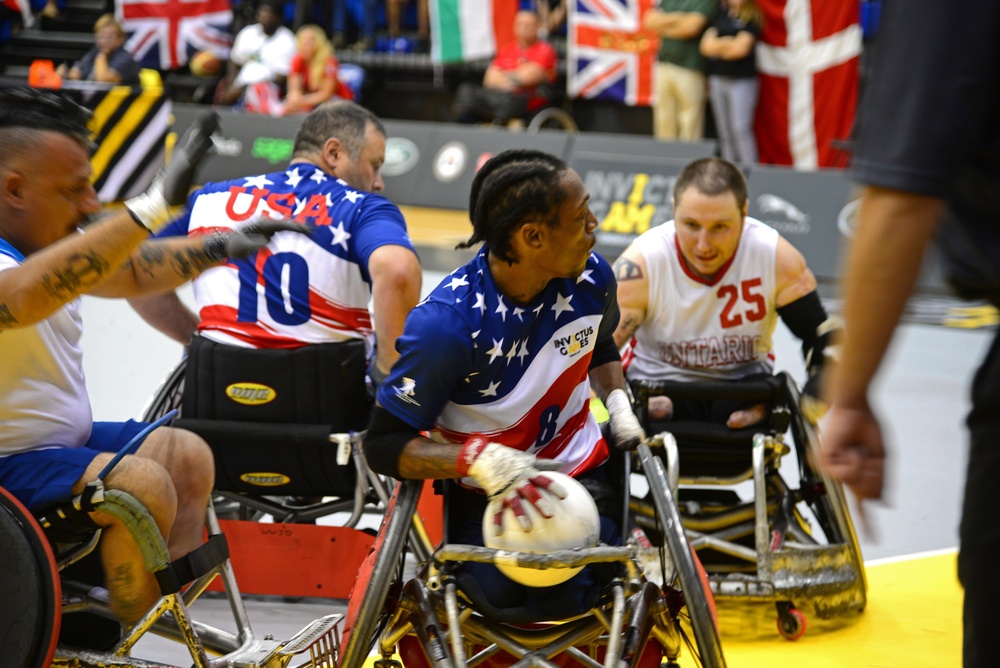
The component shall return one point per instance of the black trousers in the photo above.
(473, 103)
(979, 555)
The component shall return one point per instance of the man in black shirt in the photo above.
(928, 155)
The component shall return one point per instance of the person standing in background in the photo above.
(729, 46)
(679, 111)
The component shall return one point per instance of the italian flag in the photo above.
(463, 30)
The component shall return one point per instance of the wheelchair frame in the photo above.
(787, 564)
(383, 609)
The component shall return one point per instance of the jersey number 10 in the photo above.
(286, 289)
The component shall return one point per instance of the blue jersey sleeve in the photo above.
(179, 226)
(435, 355)
(380, 223)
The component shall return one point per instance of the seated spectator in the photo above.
(312, 78)
(733, 87)
(262, 51)
(510, 88)
(107, 61)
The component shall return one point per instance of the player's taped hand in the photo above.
(249, 238)
(152, 209)
(626, 432)
(511, 475)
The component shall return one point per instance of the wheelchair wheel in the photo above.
(367, 611)
(168, 395)
(707, 646)
(29, 589)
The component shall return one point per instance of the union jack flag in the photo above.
(610, 55)
(165, 33)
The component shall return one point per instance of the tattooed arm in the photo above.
(60, 272)
(633, 293)
(160, 265)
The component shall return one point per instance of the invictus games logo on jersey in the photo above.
(406, 391)
(251, 394)
(401, 156)
(574, 343)
(265, 479)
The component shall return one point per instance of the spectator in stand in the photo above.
(732, 77)
(262, 52)
(510, 88)
(679, 111)
(312, 78)
(394, 13)
(107, 61)
(552, 14)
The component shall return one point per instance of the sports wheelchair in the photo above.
(433, 618)
(791, 544)
(39, 595)
(285, 428)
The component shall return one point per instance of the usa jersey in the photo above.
(299, 289)
(472, 362)
(698, 329)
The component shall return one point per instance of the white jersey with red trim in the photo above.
(471, 362)
(299, 289)
(697, 329)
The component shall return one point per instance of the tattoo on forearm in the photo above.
(628, 326)
(626, 270)
(7, 318)
(82, 271)
(185, 262)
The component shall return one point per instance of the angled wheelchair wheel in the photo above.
(367, 611)
(707, 647)
(29, 589)
(168, 395)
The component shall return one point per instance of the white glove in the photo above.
(511, 475)
(626, 432)
(153, 208)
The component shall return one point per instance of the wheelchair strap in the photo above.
(193, 565)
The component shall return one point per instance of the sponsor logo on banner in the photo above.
(251, 394)
(628, 203)
(227, 146)
(401, 156)
(847, 219)
(272, 149)
(782, 215)
(450, 161)
(265, 479)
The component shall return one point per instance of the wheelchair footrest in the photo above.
(193, 565)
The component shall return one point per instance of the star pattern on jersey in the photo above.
(457, 283)
(480, 302)
(329, 201)
(340, 235)
(562, 304)
(491, 389)
(318, 176)
(293, 177)
(523, 352)
(538, 309)
(496, 351)
(519, 312)
(475, 346)
(257, 181)
(513, 353)
(585, 276)
(353, 196)
(501, 309)
(300, 205)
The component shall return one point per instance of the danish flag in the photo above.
(166, 32)
(807, 61)
(610, 55)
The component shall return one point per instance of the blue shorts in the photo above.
(42, 478)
